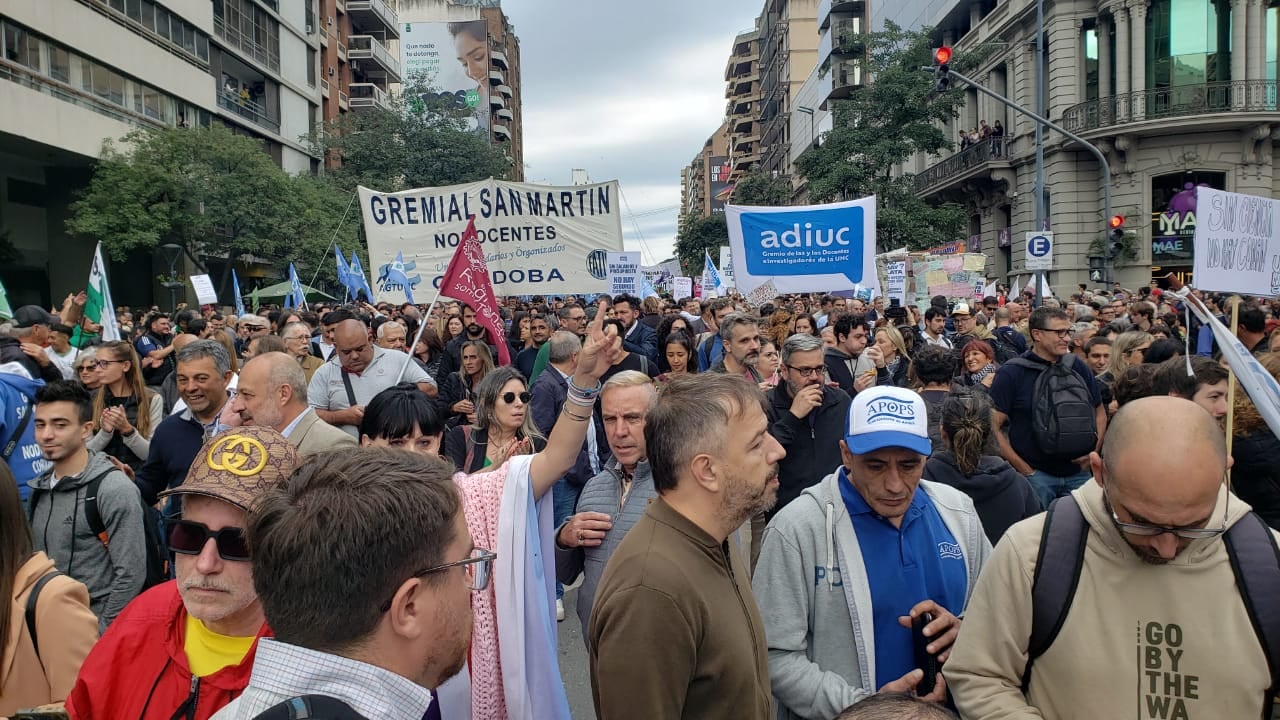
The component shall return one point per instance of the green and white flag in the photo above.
(6, 312)
(99, 309)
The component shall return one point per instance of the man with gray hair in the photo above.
(22, 341)
(203, 373)
(806, 416)
(896, 706)
(612, 501)
(273, 393)
(740, 334)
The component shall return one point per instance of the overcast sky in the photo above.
(629, 91)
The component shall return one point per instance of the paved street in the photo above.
(573, 660)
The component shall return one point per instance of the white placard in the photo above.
(204, 290)
(682, 287)
(1237, 243)
(1039, 251)
(896, 278)
(726, 266)
(623, 269)
(763, 294)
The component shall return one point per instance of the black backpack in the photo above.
(1255, 562)
(315, 707)
(1062, 412)
(157, 557)
(1006, 350)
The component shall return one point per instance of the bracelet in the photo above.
(585, 392)
(580, 402)
(579, 418)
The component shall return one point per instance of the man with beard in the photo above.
(273, 393)
(451, 361)
(184, 648)
(366, 570)
(676, 591)
(849, 565)
(204, 370)
(1170, 574)
(741, 336)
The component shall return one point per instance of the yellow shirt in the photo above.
(208, 652)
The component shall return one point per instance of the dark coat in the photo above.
(1001, 495)
(812, 443)
(1255, 477)
(643, 340)
(455, 448)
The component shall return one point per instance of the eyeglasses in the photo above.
(1148, 530)
(510, 397)
(808, 371)
(188, 537)
(1060, 333)
(100, 364)
(478, 566)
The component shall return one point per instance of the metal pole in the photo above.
(1040, 208)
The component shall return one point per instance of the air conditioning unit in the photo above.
(330, 19)
(310, 28)
(331, 73)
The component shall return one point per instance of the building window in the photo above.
(1090, 63)
(59, 64)
(166, 27)
(1188, 43)
(312, 63)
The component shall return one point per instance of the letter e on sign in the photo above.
(1039, 251)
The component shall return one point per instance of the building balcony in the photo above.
(496, 102)
(248, 109)
(973, 164)
(828, 8)
(1218, 103)
(496, 77)
(342, 52)
(502, 133)
(344, 102)
(342, 5)
(246, 44)
(373, 16)
(324, 87)
(498, 58)
(368, 95)
(373, 57)
(840, 81)
(324, 37)
(741, 123)
(504, 114)
(505, 91)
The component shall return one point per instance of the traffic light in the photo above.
(1115, 236)
(942, 69)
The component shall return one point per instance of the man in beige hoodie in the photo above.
(1156, 628)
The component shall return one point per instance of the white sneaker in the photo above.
(559, 611)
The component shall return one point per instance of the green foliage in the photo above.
(418, 142)
(699, 235)
(760, 188)
(882, 125)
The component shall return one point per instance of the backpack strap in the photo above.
(305, 707)
(1256, 564)
(1053, 587)
(91, 512)
(1027, 364)
(33, 601)
(470, 443)
(351, 393)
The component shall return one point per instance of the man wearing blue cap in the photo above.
(847, 566)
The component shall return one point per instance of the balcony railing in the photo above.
(367, 47)
(498, 57)
(344, 102)
(1173, 102)
(247, 109)
(370, 14)
(28, 78)
(971, 157)
(367, 95)
(324, 87)
(246, 44)
(342, 51)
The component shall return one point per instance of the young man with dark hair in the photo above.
(1097, 353)
(1206, 386)
(637, 337)
(851, 364)
(115, 570)
(1252, 331)
(935, 327)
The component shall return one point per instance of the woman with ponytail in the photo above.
(1002, 495)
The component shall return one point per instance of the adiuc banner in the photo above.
(807, 248)
(537, 239)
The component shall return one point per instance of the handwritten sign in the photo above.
(204, 289)
(896, 275)
(1237, 243)
(762, 294)
(624, 273)
(682, 287)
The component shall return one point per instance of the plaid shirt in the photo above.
(282, 671)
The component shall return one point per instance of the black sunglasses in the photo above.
(510, 397)
(189, 538)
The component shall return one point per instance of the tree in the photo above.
(209, 191)
(882, 125)
(699, 235)
(760, 188)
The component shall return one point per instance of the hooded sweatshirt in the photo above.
(1002, 495)
(1140, 640)
(17, 398)
(114, 573)
(815, 600)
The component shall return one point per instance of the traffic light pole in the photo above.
(1102, 158)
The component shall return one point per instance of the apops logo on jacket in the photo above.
(949, 550)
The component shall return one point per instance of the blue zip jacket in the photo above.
(17, 398)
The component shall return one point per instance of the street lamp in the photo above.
(172, 252)
(813, 138)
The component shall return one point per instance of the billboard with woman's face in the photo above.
(452, 59)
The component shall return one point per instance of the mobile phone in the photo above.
(925, 660)
(41, 714)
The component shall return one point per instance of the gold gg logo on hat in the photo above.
(239, 455)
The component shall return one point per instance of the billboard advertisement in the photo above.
(538, 239)
(452, 60)
(718, 184)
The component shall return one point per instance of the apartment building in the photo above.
(705, 183)
(742, 90)
(788, 37)
(1176, 94)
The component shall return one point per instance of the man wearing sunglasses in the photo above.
(1173, 575)
(366, 571)
(185, 648)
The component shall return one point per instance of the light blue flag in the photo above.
(711, 277)
(359, 281)
(646, 288)
(344, 270)
(296, 298)
(396, 276)
(235, 288)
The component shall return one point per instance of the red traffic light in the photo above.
(942, 55)
(1116, 222)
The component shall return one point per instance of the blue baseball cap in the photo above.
(882, 417)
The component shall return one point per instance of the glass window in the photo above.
(117, 5)
(138, 90)
(311, 67)
(189, 39)
(202, 46)
(151, 104)
(21, 47)
(59, 64)
(148, 16)
(162, 24)
(133, 8)
(1091, 63)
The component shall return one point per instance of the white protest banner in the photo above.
(682, 287)
(896, 272)
(204, 290)
(1237, 243)
(537, 239)
(762, 294)
(726, 266)
(807, 248)
(624, 273)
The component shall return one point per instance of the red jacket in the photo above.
(139, 670)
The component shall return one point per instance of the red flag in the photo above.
(467, 280)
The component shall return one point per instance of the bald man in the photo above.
(358, 370)
(1156, 619)
(273, 393)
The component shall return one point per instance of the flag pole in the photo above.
(1231, 382)
(426, 317)
(333, 240)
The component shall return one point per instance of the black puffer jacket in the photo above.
(1002, 495)
(1255, 476)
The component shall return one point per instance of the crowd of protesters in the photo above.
(786, 511)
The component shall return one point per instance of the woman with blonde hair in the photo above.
(458, 394)
(894, 368)
(125, 411)
(1126, 351)
(49, 629)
